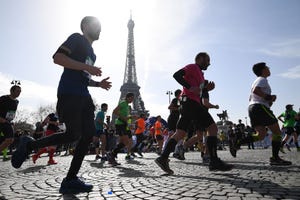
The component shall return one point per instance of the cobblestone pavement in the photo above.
(251, 178)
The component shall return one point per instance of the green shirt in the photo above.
(124, 111)
(289, 118)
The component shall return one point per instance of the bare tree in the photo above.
(23, 116)
(44, 111)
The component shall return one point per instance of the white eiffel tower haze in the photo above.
(130, 83)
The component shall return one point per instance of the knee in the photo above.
(212, 130)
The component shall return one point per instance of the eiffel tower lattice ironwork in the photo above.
(130, 83)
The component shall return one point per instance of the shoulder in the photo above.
(4, 97)
(262, 80)
(74, 39)
(76, 36)
(174, 101)
(259, 81)
(190, 67)
(123, 103)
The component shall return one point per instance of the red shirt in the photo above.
(194, 77)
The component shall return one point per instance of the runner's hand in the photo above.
(105, 84)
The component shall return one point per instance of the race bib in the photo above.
(88, 61)
(10, 115)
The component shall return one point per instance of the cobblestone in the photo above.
(251, 178)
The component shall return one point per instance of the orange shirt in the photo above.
(157, 127)
(140, 126)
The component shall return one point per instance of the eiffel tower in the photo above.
(130, 83)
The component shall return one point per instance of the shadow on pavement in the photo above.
(69, 197)
(263, 187)
(132, 173)
(33, 169)
(244, 165)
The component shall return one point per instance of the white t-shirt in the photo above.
(263, 84)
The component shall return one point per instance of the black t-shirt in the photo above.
(8, 107)
(75, 82)
(176, 103)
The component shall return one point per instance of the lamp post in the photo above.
(169, 93)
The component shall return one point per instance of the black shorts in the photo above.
(261, 115)
(7, 130)
(121, 129)
(77, 112)
(193, 111)
(289, 130)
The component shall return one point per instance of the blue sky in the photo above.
(168, 34)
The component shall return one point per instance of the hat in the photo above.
(289, 106)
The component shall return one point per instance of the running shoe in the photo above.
(178, 156)
(22, 152)
(218, 165)
(133, 154)
(111, 159)
(140, 153)
(288, 147)
(74, 186)
(279, 161)
(164, 165)
(52, 162)
(103, 159)
(129, 157)
(206, 159)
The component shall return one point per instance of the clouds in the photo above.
(285, 49)
(33, 94)
(292, 73)
(289, 48)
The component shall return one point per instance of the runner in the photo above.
(75, 106)
(192, 79)
(261, 116)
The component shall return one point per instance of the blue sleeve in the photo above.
(72, 42)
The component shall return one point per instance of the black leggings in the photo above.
(77, 112)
